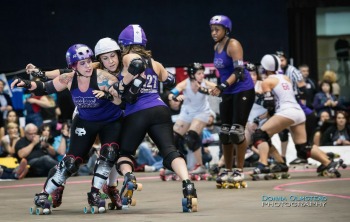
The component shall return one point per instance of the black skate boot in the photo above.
(280, 170)
(128, 188)
(113, 194)
(332, 169)
(96, 203)
(42, 204)
(261, 171)
(57, 196)
(189, 202)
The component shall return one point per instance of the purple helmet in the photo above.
(78, 52)
(221, 20)
(132, 35)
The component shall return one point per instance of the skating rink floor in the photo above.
(304, 197)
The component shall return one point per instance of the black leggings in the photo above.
(84, 133)
(235, 108)
(155, 121)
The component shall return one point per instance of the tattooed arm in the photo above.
(104, 82)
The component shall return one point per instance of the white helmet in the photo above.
(106, 45)
(271, 62)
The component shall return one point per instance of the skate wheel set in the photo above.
(270, 176)
(198, 177)
(39, 210)
(189, 204)
(169, 177)
(127, 196)
(232, 185)
(95, 209)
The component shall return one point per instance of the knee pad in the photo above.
(237, 134)
(168, 159)
(224, 134)
(283, 135)
(303, 150)
(260, 136)
(108, 152)
(130, 162)
(193, 140)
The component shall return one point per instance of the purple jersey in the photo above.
(89, 107)
(149, 94)
(224, 65)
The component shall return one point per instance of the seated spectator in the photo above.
(61, 142)
(9, 141)
(39, 154)
(321, 127)
(339, 133)
(331, 77)
(148, 159)
(17, 173)
(325, 100)
(11, 118)
(5, 103)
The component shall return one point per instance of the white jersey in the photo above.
(284, 94)
(195, 102)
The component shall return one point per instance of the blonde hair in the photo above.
(12, 125)
(330, 76)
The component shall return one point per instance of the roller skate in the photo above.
(300, 164)
(113, 194)
(214, 171)
(96, 203)
(332, 169)
(280, 171)
(236, 180)
(199, 173)
(262, 171)
(56, 196)
(167, 175)
(189, 202)
(42, 204)
(222, 179)
(128, 188)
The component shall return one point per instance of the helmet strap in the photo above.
(81, 75)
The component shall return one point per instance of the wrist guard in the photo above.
(223, 86)
(27, 83)
(203, 90)
(39, 74)
(136, 66)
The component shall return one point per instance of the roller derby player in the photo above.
(237, 91)
(279, 98)
(146, 113)
(99, 114)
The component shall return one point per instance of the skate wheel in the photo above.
(237, 185)
(194, 202)
(41, 211)
(139, 186)
(277, 176)
(94, 209)
(111, 206)
(133, 202)
(244, 184)
(167, 178)
(102, 210)
(175, 177)
(32, 210)
(196, 177)
(184, 205)
(219, 186)
(125, 201)
(87, 209)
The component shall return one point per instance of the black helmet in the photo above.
(193, 68)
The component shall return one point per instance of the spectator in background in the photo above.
(33, 114)
(5, 103)
(311, 87)
(342, 48)
(321, 127)
(331, 77)
(339, 133)
(38, 154)
(61, 142)
(325, 100)
(11, 118)
(50, 112)
(9, 140)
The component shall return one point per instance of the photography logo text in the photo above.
(293, 201)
